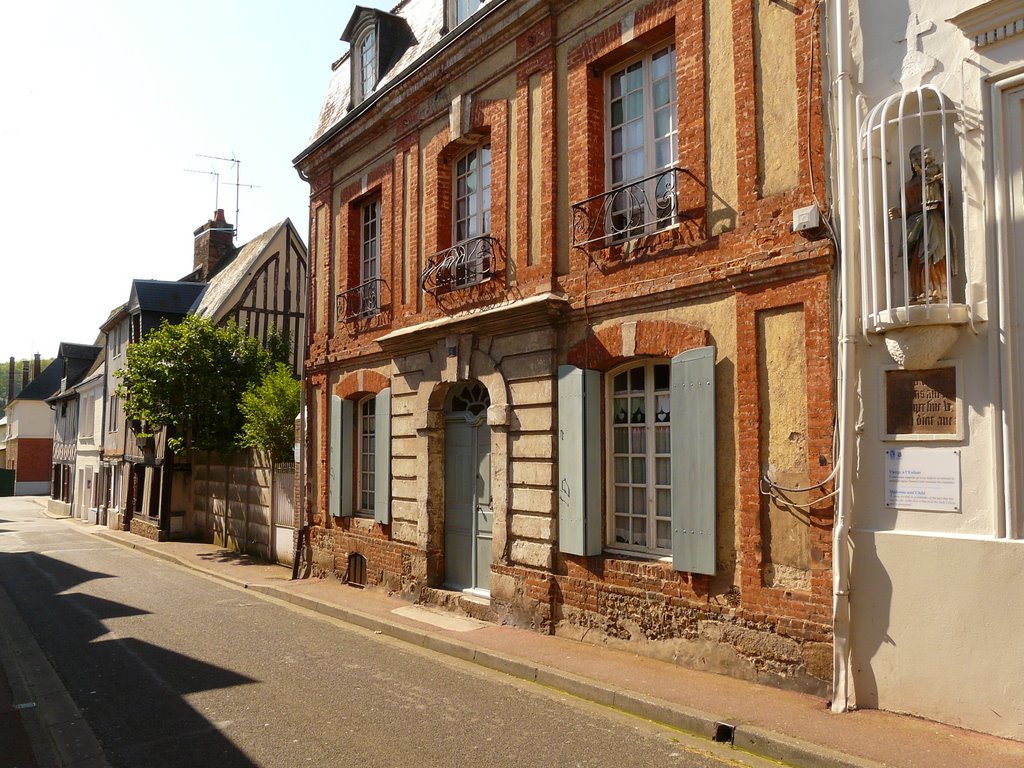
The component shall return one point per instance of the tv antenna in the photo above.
(237, 183)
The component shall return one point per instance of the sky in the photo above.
(104, 104)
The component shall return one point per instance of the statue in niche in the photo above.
(926, 228)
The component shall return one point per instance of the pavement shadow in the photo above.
(130, 691)
(230, 556)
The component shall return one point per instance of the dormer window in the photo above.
(367, 64)
(378, 40)
(463, 9)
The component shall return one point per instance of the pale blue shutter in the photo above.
(334, 458)
(340, 464)
(382, 457)
(579, 461)
(693, 461)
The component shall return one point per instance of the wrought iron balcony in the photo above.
(362, 301)
(632, 210)
(470, 262)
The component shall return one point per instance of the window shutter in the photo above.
(340, 467)
(693, 461)
(382, 458)
(579, 461)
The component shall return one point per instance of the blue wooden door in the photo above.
(468, 516)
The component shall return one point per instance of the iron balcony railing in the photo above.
(470, 262)
(362, 301)
(639, 208)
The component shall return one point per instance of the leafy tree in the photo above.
(270, 408)
(189, 378)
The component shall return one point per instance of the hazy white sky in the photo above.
(104, 104)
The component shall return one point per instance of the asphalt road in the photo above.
(171, 668)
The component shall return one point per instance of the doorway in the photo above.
(468, 517)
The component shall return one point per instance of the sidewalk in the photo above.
(795, 728)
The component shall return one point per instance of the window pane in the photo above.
(636, 379)
(620, 384)
(620, 414)
(664, 535)
(662, 378)
(663, 499)
(640, 531)
(634, 105)
(639, 440)
(662, 122)
(617, 141)
(662, 408)
(621, 529)
(634, 76)
(621, 440)
(617, 112)
(621, 470)
(663, 469)
(662, 440)
(621, 500)
(661, 63)
(636, 410)
(638, 470)
(639, 497)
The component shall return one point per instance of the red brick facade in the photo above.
(548, 303)
(30, 456)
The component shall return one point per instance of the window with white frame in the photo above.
(369, 251)
(473, 194)
(463, 9)
(114, 408)
(642, 143)
(640, 457)
(367, 63)
(367, 453)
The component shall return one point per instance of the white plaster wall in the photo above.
(29, 418)
(937, 606)
(936, 628)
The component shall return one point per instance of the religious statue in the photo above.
(925, 228)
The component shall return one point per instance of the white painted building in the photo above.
(88, 498)
(929, 553)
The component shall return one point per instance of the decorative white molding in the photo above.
(991, 22)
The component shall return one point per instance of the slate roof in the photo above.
(165, 297)
(77, 360)
(426, 21)
(45, 385)
(210, 303)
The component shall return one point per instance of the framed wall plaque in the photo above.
(922, 405)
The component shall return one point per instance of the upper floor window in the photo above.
(463, 9)
(369, 241)
(367, 63)
(369, 258)
(473, 194)
(642, 142)
(115, 340)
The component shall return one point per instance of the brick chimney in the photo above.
(36, 366)
(24, 374)
(10, 380)
(214, 243)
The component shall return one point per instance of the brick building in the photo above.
(561, 334)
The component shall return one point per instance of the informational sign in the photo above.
(921, 402)
(923, 478)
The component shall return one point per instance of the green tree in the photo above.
(189, 377)
(270, 408)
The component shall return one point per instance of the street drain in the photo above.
(724, 733)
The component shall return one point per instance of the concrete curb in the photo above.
(758, 741)
(59, 734)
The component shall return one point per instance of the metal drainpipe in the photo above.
(847, 390)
